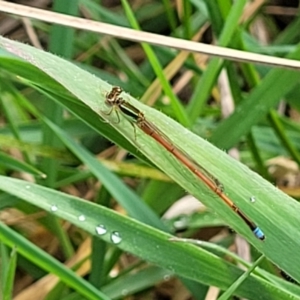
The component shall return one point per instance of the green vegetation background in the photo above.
(37, 87)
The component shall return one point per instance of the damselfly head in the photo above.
(112, 98)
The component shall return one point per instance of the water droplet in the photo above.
(27, 187)
(115, 237)
(167, 277)
(101, 229)
(124, 292)
(252, 199)
(81, 218)
(54, 208)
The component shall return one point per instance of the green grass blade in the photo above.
(275, 85)
(48, 263)
(178, 108)
(8, 162)
(231, 290)
(208, 80)
(135, 237)
(9, 275)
